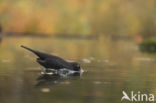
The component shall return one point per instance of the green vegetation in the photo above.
(148, 42)
(148, 45)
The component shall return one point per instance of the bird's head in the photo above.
(77, 67)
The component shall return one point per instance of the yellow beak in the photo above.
(81, 70)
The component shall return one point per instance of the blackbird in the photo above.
(54, 62)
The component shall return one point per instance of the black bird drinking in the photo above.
(54, 62)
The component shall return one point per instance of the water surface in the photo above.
(112, 66)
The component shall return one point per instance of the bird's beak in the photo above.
(81, 70)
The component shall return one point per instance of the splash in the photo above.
(64, 72)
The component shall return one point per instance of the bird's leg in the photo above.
(43, 71)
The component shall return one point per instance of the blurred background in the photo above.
(79, 17)
(113, 40)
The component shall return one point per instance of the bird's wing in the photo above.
(53, 63)
(41, 62)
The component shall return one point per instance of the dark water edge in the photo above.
(148, 45)
(67, 36)
(148, 48)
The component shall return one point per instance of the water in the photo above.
(112, 66)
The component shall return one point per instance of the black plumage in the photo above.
(54, 62)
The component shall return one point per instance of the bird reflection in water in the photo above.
(53, 77)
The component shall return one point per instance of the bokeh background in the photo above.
(79, 17)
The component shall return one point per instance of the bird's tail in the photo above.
(29, 49)
(39, 54)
